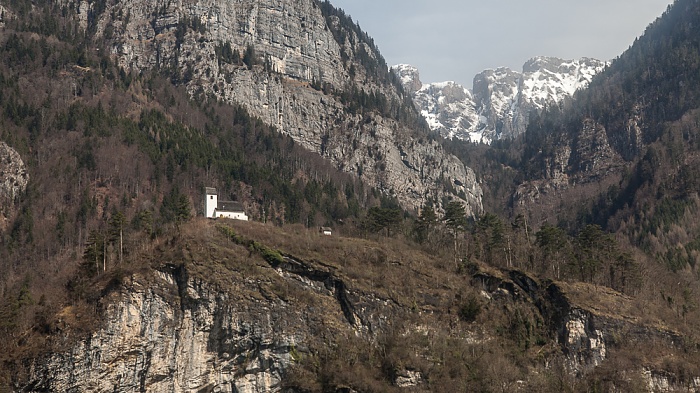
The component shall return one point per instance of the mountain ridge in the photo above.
(499, 104)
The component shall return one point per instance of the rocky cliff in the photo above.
(499, 104)
(590, 324)
(4, 15)
(300, 66)
(14, 178)
(206, 326)
(169, 333)
(217, 312)
(573, 163)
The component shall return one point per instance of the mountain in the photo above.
(623, 151)
(115, 116)
(500, 102)
(304, 68)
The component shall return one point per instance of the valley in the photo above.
(537, 232)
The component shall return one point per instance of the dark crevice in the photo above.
(181, 277)
(338, 286)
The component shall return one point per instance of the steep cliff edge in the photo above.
(231, 323)
(221, 312)
(301, 66)
(593, 325)
(165, 332)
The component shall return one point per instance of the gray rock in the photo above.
(296, 49)
(409, 76)
(154, 340)
(13, 181)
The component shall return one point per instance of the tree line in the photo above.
(590, 255)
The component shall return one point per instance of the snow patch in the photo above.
(500, 102)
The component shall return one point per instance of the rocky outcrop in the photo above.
(496, 92)
(13, 181)
(663, 382)
(4, 15)
(299, 67)
(583, 158)
(585, 343)
(583, 333)
(501, 100)
(13, 174)
(232, 323)
(291, 36)
(409, 379)
(410, 78)
(172, 330)
(169, 333)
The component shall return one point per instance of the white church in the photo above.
(214, 208)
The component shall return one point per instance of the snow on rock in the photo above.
(501, 100)
(547, 79)
(409, 76)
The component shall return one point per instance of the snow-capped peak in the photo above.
(501, 99)
(409, 76)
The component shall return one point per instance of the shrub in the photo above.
(470, 309)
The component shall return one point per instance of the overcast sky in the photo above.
(456, 39)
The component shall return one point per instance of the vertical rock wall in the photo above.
(294, 49)
(176, 335)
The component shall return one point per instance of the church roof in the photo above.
(229, 206)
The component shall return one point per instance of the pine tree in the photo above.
(116, 231)
(456, 220)
(455, 216)
(379, 218)
(175, 207)
(94, 254)
(425, 223)
(554, 243)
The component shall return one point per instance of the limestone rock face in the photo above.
(585, 159)
(4, 15)
(659, 381)
(13, 181)
(584, 332)
(13, 174)
(593, 156)
(379, 150)
(175, 335)
(175, 330)
(300, 61)
(179, 329)
(409, 379)
(448, 105)
(585, 343)
(291, 35)
(495, 91)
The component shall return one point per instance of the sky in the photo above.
(456, 39)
